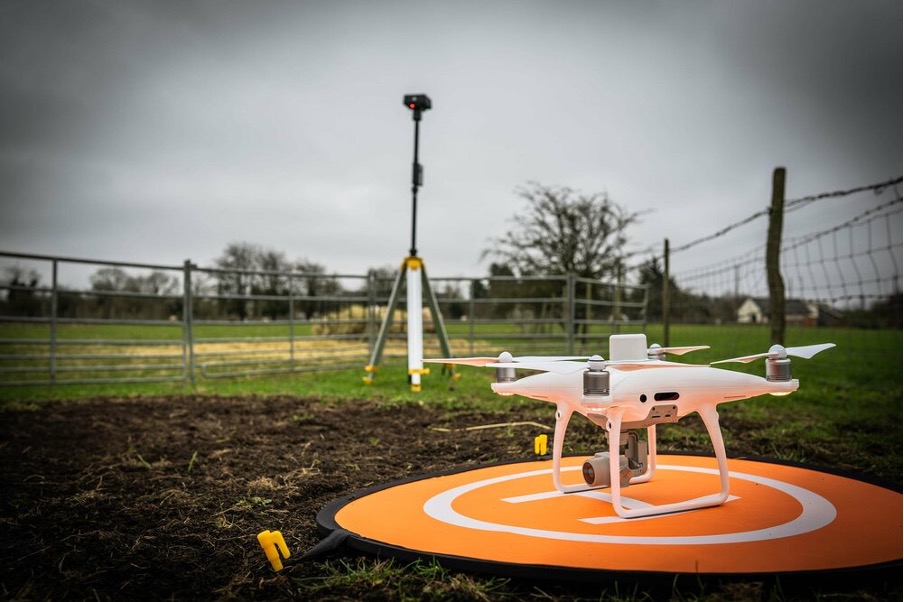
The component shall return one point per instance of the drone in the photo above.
(637, 389)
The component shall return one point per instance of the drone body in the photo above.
(635, 390)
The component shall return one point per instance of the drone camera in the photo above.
(632, 462)
(596, 470)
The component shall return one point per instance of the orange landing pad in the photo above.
(779, 519)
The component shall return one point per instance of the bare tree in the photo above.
(251, 270)
(239, 258)
(20, 291)
(111, 279)
(562, 231)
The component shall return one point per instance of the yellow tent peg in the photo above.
(270, 541)
(540, 442)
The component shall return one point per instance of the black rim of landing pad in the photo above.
(867, 516)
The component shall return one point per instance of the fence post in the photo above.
(371, 312)
(291, 322)
(472, 310)
(572, 308)
(188, 345)
(619, 276)
(773, 258)
(54, 309)
(666, 301)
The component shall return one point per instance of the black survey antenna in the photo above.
(417, 103)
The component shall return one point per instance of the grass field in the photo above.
(852, 392)
(847, 415)
(867, 362)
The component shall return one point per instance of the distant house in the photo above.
(797, 312)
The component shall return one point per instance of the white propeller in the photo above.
(779, 352)
(544, 365)
(560, 364)
(654, 348)
(504, 359)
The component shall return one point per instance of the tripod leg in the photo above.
(377, 352)
(438, 324)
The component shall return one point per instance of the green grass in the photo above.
(846, 414)
(865, 365)
(848, 404)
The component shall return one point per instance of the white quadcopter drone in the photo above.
(636, 389)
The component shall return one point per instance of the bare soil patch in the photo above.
(163, 498)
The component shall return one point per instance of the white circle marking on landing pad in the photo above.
(817, 513)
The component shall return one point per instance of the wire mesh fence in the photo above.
(844, 273)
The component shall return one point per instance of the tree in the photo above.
(314, 283)
(21, 289)
(563, 231)
(238, 259)
(272, 282)
(383, 279)
(651, 274)
(250, 270)
(134, 304)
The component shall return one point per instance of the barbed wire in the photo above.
(721, 232)
(869, 213)
(791, 205)
(794, 204)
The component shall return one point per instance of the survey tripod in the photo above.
(414, 275)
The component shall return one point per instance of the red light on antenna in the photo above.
(417, 103)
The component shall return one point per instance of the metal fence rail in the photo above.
(209, 323)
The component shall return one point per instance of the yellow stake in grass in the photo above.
(540, 445)
(269, 541)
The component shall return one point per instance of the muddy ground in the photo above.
(154, 499)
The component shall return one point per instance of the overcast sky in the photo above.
(162, 131)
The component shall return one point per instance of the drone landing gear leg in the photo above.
(710, 416)
(563, 415)
(711, 420)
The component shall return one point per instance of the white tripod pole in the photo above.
(415, 323)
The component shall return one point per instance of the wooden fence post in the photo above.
(571, 287)
(665, 294)
(188, 337)
(773, 258)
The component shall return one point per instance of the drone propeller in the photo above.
(779, 352)
(655, 351)
(505, 358)
(559, 366)
(544, 365)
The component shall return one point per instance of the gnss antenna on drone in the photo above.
(417, 282)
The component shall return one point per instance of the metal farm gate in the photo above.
(151, 323)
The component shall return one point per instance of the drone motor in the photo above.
(506, 374)
(596, 377)
(778, 365)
